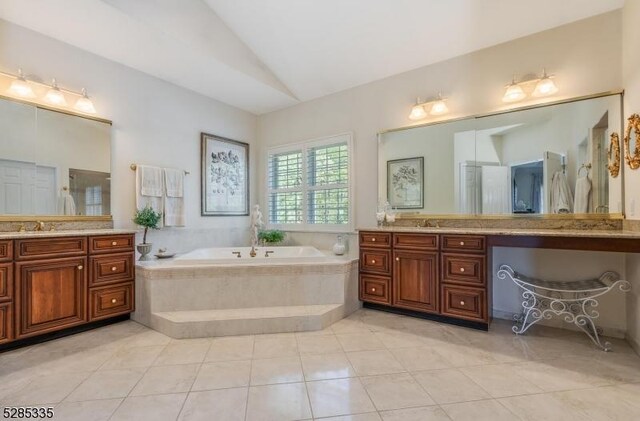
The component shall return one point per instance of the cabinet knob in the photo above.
(461, 303)
(114, 243)
(114, 268)
(373, 261)
(113, 301)
(80, 267)
(397, 259)
(373, 240)
(373, 290)
(462, 243)
(461, 269)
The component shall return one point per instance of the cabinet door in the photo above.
(6, 331)
(415, 280)
(51, 295)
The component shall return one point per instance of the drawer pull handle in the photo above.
(113, 301)
(461, 303)
(397, 259)
(461, 269)
(373, 261)
(114, 243)
(462, 243)
(80, 267)
(373, 290)
(114, 268)
(373, 240)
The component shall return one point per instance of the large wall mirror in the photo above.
(550, 159)
(53, 163)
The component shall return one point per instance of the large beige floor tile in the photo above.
(488, 410)
(395, 391)
(183, 353)
(370, 363)
(338, 397)
(139, 356)
(230, 348)
(349, 326)
(420, 358)
(167, 379)
(278, 402)
(276, 370)
(107, 384)
(318, 344)
(546, 406)
(360, 342)
(213, 405)
(47, 389)
(223, 374)
(465, 355)
(429, 413)
(370, 416)
(275, 346)
(99, 410)
(327, 366)
(156, 408)
(561, 374)
(500, 380)
(393, 339)
(450, 386)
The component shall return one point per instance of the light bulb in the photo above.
(545, 86)
(513, 93)
(439, 107)
(55, 95)
(417, 112)
(20, 87)
(84, 104)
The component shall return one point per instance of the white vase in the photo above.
(339, 247)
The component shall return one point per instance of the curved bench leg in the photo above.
(532, 314)
(586, 324)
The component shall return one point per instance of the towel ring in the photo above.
(586, 167)
(633, 123)
(614, 147)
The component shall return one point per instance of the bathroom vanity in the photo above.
(54, 282)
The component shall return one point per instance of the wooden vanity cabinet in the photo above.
(435, 275)
(55, 283)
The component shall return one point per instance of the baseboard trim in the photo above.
(635, 345)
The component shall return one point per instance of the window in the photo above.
(93, 200)
(309, 185)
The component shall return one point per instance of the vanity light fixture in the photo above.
(514, 92)
(545, 86)
(21, 87)
(437, 107)
(55, 95)
(84, 104)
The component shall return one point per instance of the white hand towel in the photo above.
(174, 209)
(561, 196)
(67, 206)
(152, 181)
(583, 191)
(142, 201)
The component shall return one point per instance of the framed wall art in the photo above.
(405, 183)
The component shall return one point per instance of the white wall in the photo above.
(631, 76)
(154, 122)
(585, 56)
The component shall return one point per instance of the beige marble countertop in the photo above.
(62, 233)
(513, 231)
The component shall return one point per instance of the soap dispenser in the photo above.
(339, 247)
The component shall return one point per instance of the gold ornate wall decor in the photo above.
(633, 123)
(614, 148)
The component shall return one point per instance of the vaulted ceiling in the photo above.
(263, 55)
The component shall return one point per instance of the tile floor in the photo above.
(370, 366)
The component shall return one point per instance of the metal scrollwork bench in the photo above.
(575, 300)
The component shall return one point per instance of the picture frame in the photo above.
(405, 183)
(224, 176)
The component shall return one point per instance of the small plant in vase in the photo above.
(271, 237)
(147, 218)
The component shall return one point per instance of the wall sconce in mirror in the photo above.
(517, 91)
(632, 140)
(32, 91)
(613, 155)
(436, 107)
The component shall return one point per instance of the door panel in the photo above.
(415, 280)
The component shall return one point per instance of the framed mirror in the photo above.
(53, 164)
(545, 160)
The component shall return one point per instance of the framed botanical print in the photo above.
(225, 176)
(405, 183)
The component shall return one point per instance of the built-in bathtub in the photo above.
(211, 292)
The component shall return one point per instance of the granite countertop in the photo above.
(63, 233)
(514, 232)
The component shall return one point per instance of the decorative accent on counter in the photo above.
(633, 127)
(147, 218)
(339, 247)
(614, 148)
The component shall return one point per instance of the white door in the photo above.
(468, 201)
(17, 187)
(496, 190)
(552, 163)
(46, 198)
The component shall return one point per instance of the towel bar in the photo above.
(575, 300)
(135, 167)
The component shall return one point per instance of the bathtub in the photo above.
(225, 255)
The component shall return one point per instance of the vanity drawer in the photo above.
(375, 289)
(6, 281)
(55, 247)
(378, 261)
(111, 243)
(415, 241)
(110, 268)
(460, 268)
(375, 239)
(6, 322)
(463, 243)
(464, 303)
(6, 250)
(110, 301)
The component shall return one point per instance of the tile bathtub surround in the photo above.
(369, 366)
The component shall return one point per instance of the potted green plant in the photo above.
(271, 237)
(147, 218)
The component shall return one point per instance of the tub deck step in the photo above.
(246, 321)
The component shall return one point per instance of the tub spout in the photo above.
(253, 253)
